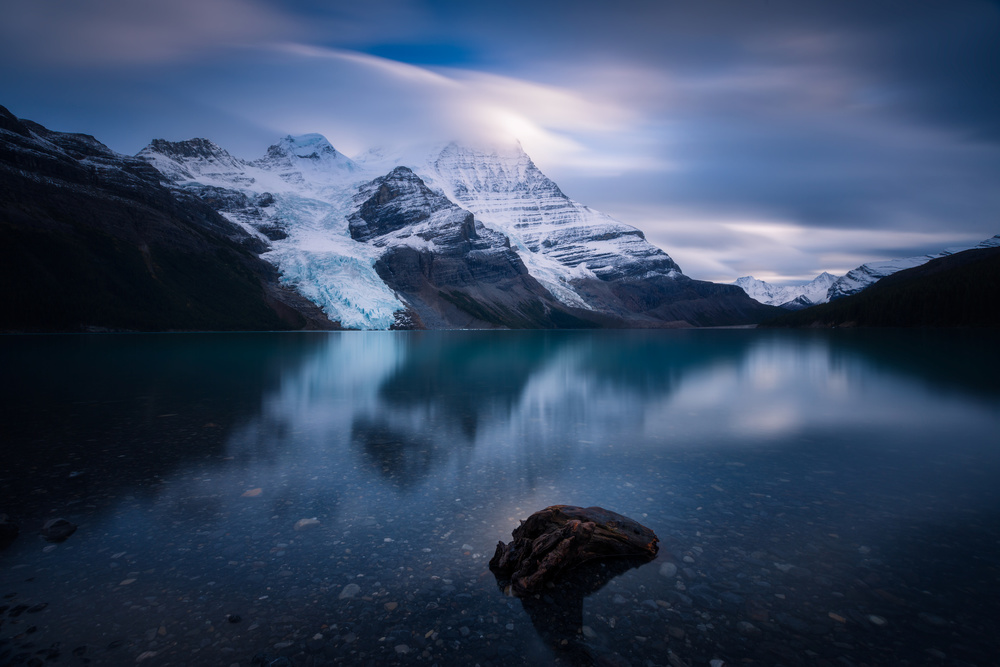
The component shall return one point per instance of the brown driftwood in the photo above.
(561, 537)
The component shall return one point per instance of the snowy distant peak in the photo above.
(191, 149)
(306, 159)
(788, 296)
(193, 159)
(305, 146)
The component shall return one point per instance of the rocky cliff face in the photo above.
(505, 188)
(446, 269)
(92, 239)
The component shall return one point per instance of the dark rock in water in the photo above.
(57, 530)
(8, 531)
(561, 537)
(558, 614)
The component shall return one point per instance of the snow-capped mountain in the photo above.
(791, 297)
(307, 202)
(564, 239)
(868, 274)
(825, 287)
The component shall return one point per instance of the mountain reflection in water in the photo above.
(803, 483)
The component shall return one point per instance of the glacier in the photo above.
(297, 198)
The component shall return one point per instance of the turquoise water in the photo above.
(820, 497)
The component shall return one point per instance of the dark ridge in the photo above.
(90, 240)
(960, 290)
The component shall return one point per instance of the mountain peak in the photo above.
(497, 146)
(189, 148)
(294, 155)
(306, 146)
(191, 159)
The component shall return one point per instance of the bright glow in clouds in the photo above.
(429, 106)
(716, 247)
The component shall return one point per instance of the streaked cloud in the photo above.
(359, 101)
(779, 139)
(85, 33)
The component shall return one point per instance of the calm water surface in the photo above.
(821, 498)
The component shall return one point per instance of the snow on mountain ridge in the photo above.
(826, 287)
(307, 160)
(787, 296)
(868, 274)
(560, 239)
(194, 160)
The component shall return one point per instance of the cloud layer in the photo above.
(780, 139)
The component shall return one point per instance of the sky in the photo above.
(777, 139)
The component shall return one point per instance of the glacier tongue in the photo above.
(296, 198)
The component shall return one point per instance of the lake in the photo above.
(824, 498)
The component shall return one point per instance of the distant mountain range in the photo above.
(825, 287)
(186, 236)
(959, 289)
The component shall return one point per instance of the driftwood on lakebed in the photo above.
(558, 538)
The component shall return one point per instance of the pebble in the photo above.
(58, 530)
(302, 524)
(402, 649)
(668, 570)
(349, 591)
